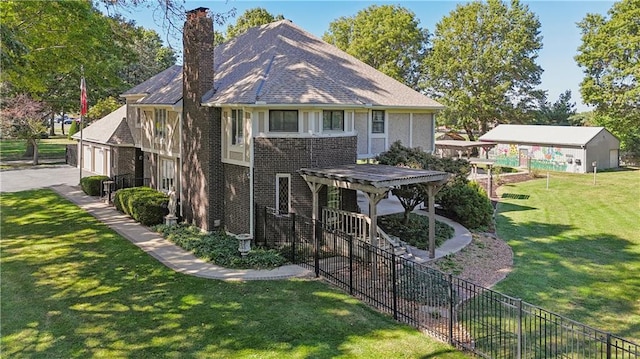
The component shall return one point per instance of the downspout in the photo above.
(180, 162)
(251, 189)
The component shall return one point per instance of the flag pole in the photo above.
(83, 111)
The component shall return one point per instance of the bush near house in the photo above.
(92, 185)
(143, 204)
(220, 248)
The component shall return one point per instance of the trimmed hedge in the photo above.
(143, 204)
(92, 185)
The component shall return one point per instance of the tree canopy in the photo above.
(250, 18)
(482, 64)
(559, 113)
(51, 45)
(386, 37)
(610, 56)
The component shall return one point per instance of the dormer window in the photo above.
(333, 120)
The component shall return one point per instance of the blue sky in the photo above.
(561, 36)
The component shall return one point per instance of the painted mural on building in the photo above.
(549, 158)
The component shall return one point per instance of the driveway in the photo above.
(32, 178)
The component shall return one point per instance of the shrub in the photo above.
(73, 129)
(468, 204)
(220, 248)
(92, 185)
(416, 233)
(143, 204)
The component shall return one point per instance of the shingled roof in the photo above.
(109, 130)
(279, 63)
(164, 88)
(539, 134)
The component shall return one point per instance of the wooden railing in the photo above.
(355, 224)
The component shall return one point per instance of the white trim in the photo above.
(278, 176)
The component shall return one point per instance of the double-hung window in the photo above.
(167, 174)
(377, 121)
(283, 121)
(333, 120)
(160, 125)
(237, 127)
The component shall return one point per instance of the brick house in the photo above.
(231, 128)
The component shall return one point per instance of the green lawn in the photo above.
(577, 247)
(73, 288)
(48, 148)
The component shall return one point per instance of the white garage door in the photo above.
(98, 161)
(86, 158)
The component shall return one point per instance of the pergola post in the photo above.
(374, 199)
(432, 189)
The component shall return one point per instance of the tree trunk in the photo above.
(52, 124)
(405, 220)
(469, 132)
(35, 151)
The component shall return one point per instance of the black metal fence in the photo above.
(470, 317)
(107, 187)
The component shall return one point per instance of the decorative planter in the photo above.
(244, 243)
(170, 220)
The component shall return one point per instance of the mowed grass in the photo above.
(54, 147)
(577, 247)
(73, 288)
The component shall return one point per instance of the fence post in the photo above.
(395, 286)
(293, 237)
(316, 247)
(451, 304)
(519, 348)
(350, 238)
(608, 345)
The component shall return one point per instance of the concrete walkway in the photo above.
(163, 250)
(182, 261)
(461, 237)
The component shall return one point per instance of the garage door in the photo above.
(98, 161)
(86, 158)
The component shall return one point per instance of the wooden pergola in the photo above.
(375, 181)
(463, 146)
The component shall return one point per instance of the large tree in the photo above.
(387, 37)
(610, 56)
(58, 41)
(22, 117)
(482, 64)
(50, 45)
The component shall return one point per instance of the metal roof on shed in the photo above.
(538, 134)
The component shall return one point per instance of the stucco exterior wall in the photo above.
(422, 132)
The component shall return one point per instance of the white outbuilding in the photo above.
(554, 148)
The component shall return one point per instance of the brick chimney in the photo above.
(202, 172)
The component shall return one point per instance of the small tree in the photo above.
(410, 196)
(23, 118)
